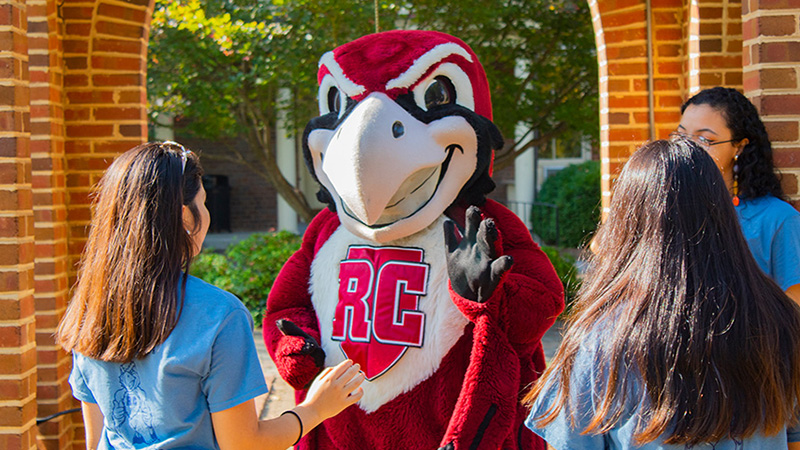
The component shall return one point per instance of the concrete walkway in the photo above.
(281, 396)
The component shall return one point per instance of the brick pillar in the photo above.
(715, 41)
(603, 92)
(17, 324)
(771, 58)
(621, 35)
(623, 84)
(105, 54)
(691, 45)
(49, 209)
(669, 60)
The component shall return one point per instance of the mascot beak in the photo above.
(383, 163)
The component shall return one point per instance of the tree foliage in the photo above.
(248, 268)
(575, 190)
(221, 64)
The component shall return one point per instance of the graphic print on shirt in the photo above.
(130, 405)
(377, 317)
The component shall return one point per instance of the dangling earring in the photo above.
(736, 180)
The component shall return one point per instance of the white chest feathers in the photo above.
(386, 307)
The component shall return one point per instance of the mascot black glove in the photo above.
(473, 265)
(311, 346)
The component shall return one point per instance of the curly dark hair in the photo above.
(757, 176)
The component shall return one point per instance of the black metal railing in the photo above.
(41, 420)
(527, 211)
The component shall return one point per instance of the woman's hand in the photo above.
(334, 389)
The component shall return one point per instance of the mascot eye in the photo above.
(446, 85)
(334, 100)
(439, 92)
(331, 98)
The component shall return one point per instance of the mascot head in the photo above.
(404, 132)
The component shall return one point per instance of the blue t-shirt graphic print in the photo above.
(165, 400)
(130, 405)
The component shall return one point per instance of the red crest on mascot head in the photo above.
(394, 62)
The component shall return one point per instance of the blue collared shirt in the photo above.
(772, 230)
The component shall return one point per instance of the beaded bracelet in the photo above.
(299, 420)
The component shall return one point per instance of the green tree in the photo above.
(221, 63)
(575, 191)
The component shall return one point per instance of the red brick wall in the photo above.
(715, 39)
(17, 320)
(772, 60)
(621, 35)
(696, 44)
(50, 210)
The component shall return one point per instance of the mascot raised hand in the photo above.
(438, 293)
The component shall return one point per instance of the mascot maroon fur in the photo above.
(438, 293)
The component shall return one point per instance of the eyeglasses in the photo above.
(184, 153)
(702, 141)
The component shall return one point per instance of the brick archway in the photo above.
(695, 44)
(72, 77)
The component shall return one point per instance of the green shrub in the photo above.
(567, 273)
(248, 268)
(576, 191)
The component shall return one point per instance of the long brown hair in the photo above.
(714, 341)
(125, 302)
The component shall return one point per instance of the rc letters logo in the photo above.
(378, 317)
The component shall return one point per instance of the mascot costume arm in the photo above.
(492, 281)
(293, 341)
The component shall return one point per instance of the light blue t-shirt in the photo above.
(772, 230)
(165, 400)
(586, 391)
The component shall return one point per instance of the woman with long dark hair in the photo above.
(727, 126)
(162, 359)
(677, 340)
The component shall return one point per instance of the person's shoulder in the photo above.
(776, 206)
(210, 298)
(768, 208)
(781, 213)
(589, 341)
(197, 285)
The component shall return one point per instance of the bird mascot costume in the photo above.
(437, 292)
